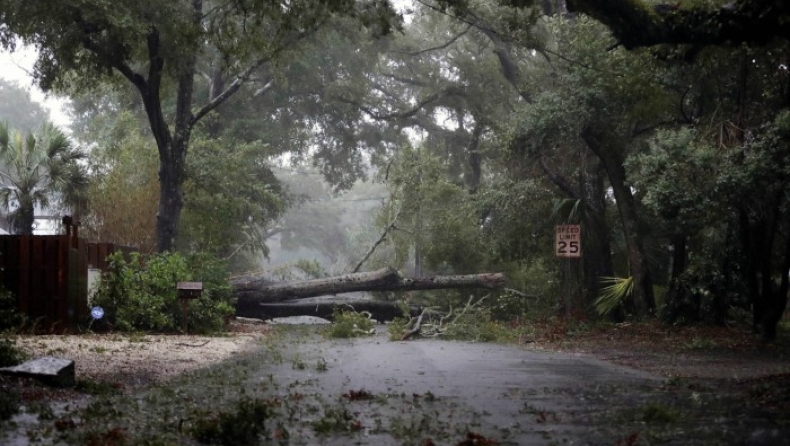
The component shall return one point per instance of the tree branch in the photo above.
(557, 179)
(230, 91)
(637, 24)
(381, 239)
(436, 48)
(449, 91)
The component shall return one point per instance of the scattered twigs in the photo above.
(446, 321)
(416, 324)
(183, 344)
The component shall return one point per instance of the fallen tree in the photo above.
(263, 299)
(260, 290)
(323, 308)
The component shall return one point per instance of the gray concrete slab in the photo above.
(50, 370)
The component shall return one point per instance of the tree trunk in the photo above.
(612, 159)
(172, 147)
(677, 305)
(769, 297)
(386, 279)
(596, 241)
(24, 218)
(323, 308)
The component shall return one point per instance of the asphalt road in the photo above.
(373, 391)
(440, 390)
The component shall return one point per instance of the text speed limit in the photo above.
(568, 241)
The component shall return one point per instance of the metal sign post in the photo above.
(568, 245)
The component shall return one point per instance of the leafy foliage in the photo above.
(18, 109)
(140, 294)
(471, 322)
(613, 294)
(477, 325)
(38, 170)
(122, 197)
(350, 324)
(9, 354)
(233, 198)
(10, 401)
(10, 316)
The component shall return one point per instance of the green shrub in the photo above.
(137, 295)
(476, 325)
(9, 399)
(10, 316)
(9, 354)
(397, 327)
(350, 324)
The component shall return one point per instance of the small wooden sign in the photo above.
(568, 241)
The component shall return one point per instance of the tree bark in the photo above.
(612, 159)
(640, 23)
(251, 289)
(676, 298)
(323, 308)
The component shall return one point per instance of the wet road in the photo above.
(509, 394)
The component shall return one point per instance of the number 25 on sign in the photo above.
(568, 241)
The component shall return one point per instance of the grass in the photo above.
(243, 424)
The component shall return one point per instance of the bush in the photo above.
(137, 295)
(9, 399)
(9, 354)
(350, 324)
(10, 317)
(476, 325)
(473, 323)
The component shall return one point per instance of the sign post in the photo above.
(568, 241)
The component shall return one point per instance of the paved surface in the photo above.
(372, 391)
(505, 393)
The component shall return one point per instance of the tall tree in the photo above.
(18, 109)
(157, 45)
(38, 170)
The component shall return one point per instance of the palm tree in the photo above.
(38, 170)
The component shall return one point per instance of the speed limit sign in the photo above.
(568, 241)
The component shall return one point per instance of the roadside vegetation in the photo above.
(140, 295)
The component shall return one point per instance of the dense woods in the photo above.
(441, 138)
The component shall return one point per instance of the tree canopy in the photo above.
(164, 46)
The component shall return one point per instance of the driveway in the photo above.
(440, 390)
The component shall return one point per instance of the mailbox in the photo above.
(189, 290)
(186, 292)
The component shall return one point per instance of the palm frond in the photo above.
(568, 209)
(617, 289)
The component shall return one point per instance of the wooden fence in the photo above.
(48, 274)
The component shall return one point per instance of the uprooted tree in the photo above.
(260, 298)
